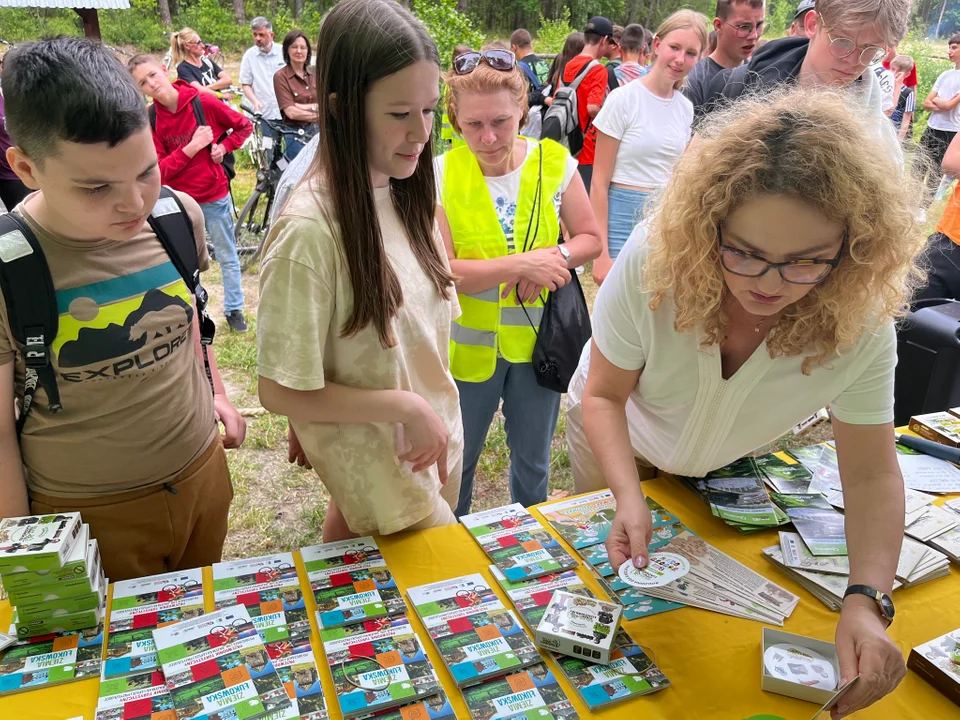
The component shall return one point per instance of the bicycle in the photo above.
(253, 221)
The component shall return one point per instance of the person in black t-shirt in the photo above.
(186, 49)
(739, 25)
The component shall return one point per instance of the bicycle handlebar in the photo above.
(275, 125)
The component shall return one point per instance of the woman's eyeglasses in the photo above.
(502, 60)
(800, 272)
(842, 47)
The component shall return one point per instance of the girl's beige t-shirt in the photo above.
(306, 297)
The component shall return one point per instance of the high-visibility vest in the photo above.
(447, 133)
(490, 323)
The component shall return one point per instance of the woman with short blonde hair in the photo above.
(765, 286)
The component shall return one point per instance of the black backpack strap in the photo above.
(198, 110)
(31, 301)
(174, 229)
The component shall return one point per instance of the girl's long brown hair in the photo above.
(362, 41)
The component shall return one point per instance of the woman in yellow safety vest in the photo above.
(501, 200)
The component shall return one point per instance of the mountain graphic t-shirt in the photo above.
(137, 407)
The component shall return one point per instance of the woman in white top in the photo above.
(356, 295)
(643, 129)
(501, 200)
(765, 286)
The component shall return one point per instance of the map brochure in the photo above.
(517, 543)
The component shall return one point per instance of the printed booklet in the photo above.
(264, 585)
(141, 605)
(51, 660)
(136, 697)
(516, 543)
(378, 665)
(350, 582)
(528, 694)
(216, 666)
(477, 637)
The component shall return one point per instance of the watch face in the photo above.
(886, 606)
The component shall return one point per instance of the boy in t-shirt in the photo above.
(943, 102)
(902, 116)
(592, 91)
(191, 161)
(633, 65)
(135, 448)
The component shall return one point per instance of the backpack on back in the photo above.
(31, 298)
(561, 122)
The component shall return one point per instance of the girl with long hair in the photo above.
(765, 286)
(501, 200)
(642, 130)
(356, 294)
(571, 48)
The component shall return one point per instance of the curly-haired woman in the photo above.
(764, 287)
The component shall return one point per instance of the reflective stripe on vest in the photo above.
(491, 324)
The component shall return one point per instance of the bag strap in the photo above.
(575, 83)
(31, 301)
(174, 229)
(537, 205)
(198, 110)
(528, 71)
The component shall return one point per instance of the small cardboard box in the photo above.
(792, 689)
(578, 626)
(954, 411)
(940, 427)
(62, 623)
(51, 607)
(76, 568)
(59, 585)
(37, 542)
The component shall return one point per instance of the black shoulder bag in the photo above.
(565, 325)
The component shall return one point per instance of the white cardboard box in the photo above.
(792, 689)
(578, 626)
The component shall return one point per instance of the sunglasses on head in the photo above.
(502, 60)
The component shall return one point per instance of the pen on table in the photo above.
(928, 447)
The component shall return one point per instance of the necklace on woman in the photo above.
(756, 328)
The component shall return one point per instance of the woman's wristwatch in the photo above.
(884, 601)
(565, 253)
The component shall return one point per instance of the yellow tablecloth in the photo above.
(712, 660)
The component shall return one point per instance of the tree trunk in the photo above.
(239, 12)
(297, 9)
(165, 16)
(174, 7)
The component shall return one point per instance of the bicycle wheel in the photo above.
(252, 226)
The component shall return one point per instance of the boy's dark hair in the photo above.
(289, 40)
(725, 6)
(633, 38)
(521, 38)
(71, 89)
(954, 39)
(617, 34)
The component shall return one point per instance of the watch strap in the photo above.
(880, 598)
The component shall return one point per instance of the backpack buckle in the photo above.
(35, 354)
(208, 328)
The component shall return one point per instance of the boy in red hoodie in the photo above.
(191, 162)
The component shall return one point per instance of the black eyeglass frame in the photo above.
(831, 263)
(744, 29)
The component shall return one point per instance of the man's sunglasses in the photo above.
(502, 60)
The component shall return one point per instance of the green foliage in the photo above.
(553, 33)
(780, 14)
(20, 24)
(139, 26)
(215, 23)
(447, 26)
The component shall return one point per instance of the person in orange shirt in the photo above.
(943, 247)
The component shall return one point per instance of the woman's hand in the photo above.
(865, 649)
(425, 437)
(601, 267)
(295, 451)
(545, 267)
(630, 532)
